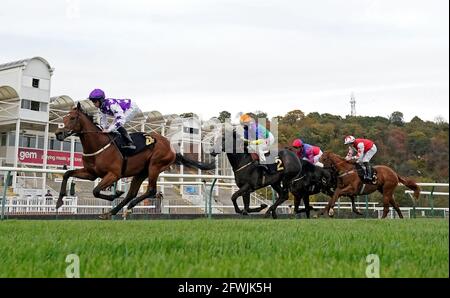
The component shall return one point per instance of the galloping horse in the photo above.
(249, 177)
(102, 159)
(311, 180)
(349, 183)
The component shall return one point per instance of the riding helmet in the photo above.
(297, 143)
(97, 94)
(349, 140)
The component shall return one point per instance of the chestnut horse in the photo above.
(349, 183)
(102, 159)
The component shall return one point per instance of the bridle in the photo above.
(71, 132)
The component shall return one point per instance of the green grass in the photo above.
(225, 248)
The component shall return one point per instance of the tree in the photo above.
(396, 118)
(293, 116)
(260, 114)
(188, 115)
(224, 115)
(440, 120)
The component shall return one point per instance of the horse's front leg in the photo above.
(307, 206)
(79, 173)
(246, 200)
(132, 192)
(283, 195)
(247, 209)
(297, 200)
(107, 181)
(352, 198)
(339, 192)
(241, 191)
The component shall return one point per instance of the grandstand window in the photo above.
(26, 104)
(3, 139)
(40, 143)
(54, 144)
(78, 147)
(27, 141)
(66, 146)
(12, 138)
(35, 83)
(35, 105)
(191, 130)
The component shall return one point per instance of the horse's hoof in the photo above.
(119, 193)
(126, 213)
(267, 214)
(274, 215)
(331, 212)
(105, 216)
(59, 203)
(264, 206)
(245, 213)
(357, 212)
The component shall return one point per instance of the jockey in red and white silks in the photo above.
(365, 150)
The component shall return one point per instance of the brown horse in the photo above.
(102, 159)
(349, 183)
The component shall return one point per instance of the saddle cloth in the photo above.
(141, 141)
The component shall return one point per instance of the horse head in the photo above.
(327, 160)
(335, 162)
(73, 123)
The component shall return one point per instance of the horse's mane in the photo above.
(83, 112)
(332, 154)
(307, 166)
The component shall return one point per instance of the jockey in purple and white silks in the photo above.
(123, 110)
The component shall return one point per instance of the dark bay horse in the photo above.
(349, 183)
(102, 159)
(313, 180)
(309, 181)
(250, 177)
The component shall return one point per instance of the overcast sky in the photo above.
(205, 56)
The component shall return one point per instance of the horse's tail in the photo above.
(182, 160)
(411, 184)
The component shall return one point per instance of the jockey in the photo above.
(259, 138)
(308, 152)
(123, 110)
(365, 150)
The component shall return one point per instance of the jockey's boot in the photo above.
(368, 172)
(129, 141)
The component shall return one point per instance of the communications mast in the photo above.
(353, 104)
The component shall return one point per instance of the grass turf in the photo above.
(225, 248)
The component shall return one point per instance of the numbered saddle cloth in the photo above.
(141, 141)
